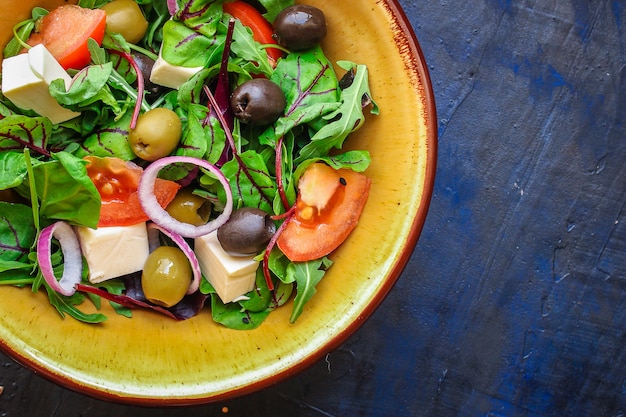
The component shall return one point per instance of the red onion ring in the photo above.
(72, 257)
(184, 246)
(161, 217)
(172, 7)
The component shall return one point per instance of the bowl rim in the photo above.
(417, 64)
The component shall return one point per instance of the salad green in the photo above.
(42, 166)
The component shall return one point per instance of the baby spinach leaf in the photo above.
(233, 316)
(12, 169)
(65, 191)
(357, 160)
(89, 86)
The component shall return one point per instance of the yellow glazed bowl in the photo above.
(153, 360)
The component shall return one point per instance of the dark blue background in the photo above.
(513, 303)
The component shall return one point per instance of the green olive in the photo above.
(156, 135)
(189, 208)
(126, 18)
(166, 276)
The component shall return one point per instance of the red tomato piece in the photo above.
(262, 30)
(117, 182)
(328, 208)
(65, 32)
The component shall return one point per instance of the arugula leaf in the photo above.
(311, 89)
(67, 305)
(307, 275)
(273, 7)
(245, 47)
(345, 119)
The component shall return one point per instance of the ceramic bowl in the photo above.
(152, 360)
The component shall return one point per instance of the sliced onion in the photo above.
(172, 6)
(72, 257)
(153, 230)
(160, 216)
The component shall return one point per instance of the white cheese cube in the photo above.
(114, 251)
(231, 276)
(168, 75)
(26, 79)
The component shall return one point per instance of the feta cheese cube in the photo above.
(171, 76)
(231, 276)
(111, 252)
(26, 79)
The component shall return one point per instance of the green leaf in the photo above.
(274, 7)
(13, 169)
(245, 47)
(66, 192)
(251, 183)
(17, 132)
(89, 86)
(345, 119)
(17, 233)
(202, 16)
(307, 275)
(233, 316)
(110, 140)
(311, 89)
(185, 47)
(67, 305)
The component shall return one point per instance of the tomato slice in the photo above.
(117, 182)
(65, 32)
(262, 30)
(328, 208)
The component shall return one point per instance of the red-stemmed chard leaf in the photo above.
(18, 132)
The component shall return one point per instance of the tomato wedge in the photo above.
(328, 208)
(65, 32)
(262, 30)
(117, 182)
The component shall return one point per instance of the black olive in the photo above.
(247, 231)
(145, 64)
(299, 27)
(258, 101)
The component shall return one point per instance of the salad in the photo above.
(177, 155)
